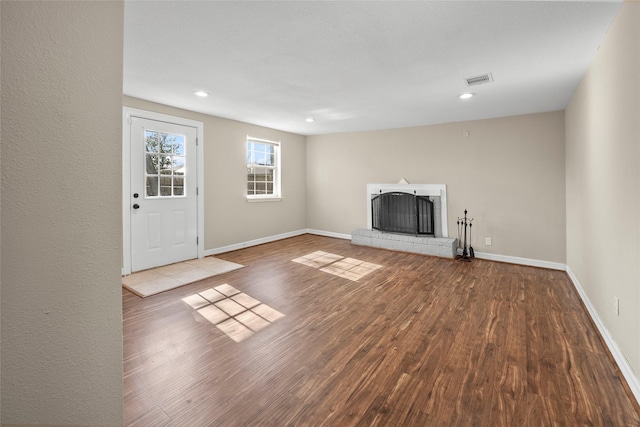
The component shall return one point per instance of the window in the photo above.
(263, 169)
(164, 164)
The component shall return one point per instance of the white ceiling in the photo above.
(360, 65)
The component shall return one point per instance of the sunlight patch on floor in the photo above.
(235, 313)
(347, 268)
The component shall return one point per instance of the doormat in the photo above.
(151, 282)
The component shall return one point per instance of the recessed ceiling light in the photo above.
(201, 93)
(466, 95)
(310, 119)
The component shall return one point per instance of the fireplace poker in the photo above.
(471, 252)
(464, 247)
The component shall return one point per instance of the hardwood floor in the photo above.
(420, 341)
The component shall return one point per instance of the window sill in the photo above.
(263, 199)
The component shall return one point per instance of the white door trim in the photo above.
(127, 113)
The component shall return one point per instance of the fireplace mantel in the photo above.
(439, 190)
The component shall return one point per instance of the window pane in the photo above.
(260, 158)
(263, 174)
(152, 164)
(178, 165)
(151, 141)
(178, 145)
(260, 153)
(152, 186)
(270, 152)
(249, 152)
(178, 186)
(165, 165)
(165, 186)
(166, 142)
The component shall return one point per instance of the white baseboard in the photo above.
(623, 364)
(480, 255)
(329, 234)
(241, 245)
(255, 242)
(521, 261)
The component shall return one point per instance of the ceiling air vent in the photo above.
(478, 80)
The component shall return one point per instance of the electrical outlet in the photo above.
(487, 241)
(617, 305)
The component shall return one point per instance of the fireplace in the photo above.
(418, 224)
(405, 213)
(417, 209)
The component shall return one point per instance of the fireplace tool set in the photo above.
(465, 253)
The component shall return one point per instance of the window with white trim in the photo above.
(263, 169)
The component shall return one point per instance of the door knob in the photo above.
(136, 206)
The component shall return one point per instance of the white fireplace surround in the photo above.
(420, 190)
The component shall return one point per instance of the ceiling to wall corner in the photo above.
(353, 66)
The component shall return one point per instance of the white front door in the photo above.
(163, 199)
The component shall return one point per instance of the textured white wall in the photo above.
(603, 182)
(61, 213)
(509, 174)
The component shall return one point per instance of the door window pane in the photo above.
(165, 166)
(165, 185)
(178, 165)
(166, 142)
(152, 186)
(152, 164)
(178, 186)
(178, 145)
(151, 141)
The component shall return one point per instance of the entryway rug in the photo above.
(151, 282)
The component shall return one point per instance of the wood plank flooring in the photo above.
(420, 341)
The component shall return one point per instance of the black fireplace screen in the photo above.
(398, 212)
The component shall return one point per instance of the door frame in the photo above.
(127, 114)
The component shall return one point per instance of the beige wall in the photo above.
(603, 182)
(61, 213)
(228, 218)
(509, 174)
